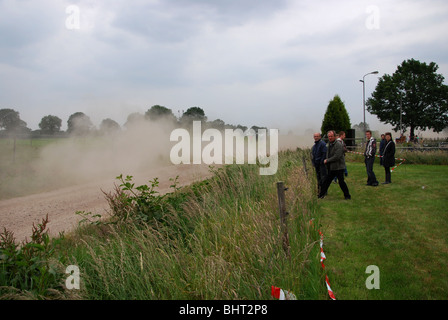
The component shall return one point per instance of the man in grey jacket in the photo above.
(336, 166)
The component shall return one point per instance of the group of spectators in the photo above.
(329, 160)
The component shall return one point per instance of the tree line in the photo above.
(413, 97)
(80, 124)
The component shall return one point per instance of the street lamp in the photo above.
(364, 99)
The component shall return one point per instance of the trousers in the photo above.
(388, 175)
(331, 175)
(321, 174)
(371, 178)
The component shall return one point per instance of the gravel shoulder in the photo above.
(19, 214)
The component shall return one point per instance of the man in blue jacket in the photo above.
(318, 154)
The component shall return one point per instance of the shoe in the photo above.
(386, 182)
(348, 197)
(321, 197)
(375, 184)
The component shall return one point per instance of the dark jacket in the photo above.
(318, 152)
(382, 146)
(389, 154)
(335, 156)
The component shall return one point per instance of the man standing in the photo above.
(336, 165)
(318, 154)
(369, 155)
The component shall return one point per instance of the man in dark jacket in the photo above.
(318, 154)
(369, 155)
(388, 156)
(335, 162)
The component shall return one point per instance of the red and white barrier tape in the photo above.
(402, 160)
(330, 292)
(281, 294)
(322, 258)
(378, 156)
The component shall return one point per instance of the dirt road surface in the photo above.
(19, 214)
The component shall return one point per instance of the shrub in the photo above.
(29, 269)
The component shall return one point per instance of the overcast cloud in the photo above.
(274, 63)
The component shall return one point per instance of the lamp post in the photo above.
(364, 100)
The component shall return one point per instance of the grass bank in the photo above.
(217, 239)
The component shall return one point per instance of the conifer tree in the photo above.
(336, 117)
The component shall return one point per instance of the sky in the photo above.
(273, 63)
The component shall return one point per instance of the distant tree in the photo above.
(79, 124)
(336, 117)
(418, 91)
(359, 128)
(361, 125)
(108, 126)
(193, 114)
(256, 128)
(239, 126)
(50, 124)
(133, 119)
(217, 124)
(10, 121)
(157, 112)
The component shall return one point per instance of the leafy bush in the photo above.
(29, 267)
(142, 204)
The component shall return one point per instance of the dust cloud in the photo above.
(294, 141)
(134, 150)
(139, 148)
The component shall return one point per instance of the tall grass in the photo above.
(432, 157)
(417, 156)
(220, 239)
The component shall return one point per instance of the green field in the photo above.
(402, 228)
(18, 173)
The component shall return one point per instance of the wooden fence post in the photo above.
(304, 166)
(282, 209)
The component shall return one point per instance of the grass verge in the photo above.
(402, 228)
(216, 239)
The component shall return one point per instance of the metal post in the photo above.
(364, 100)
